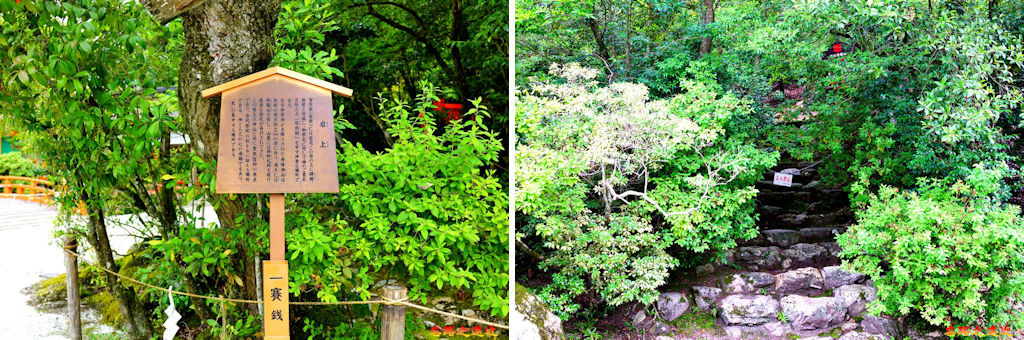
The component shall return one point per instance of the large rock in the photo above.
(832, 247)
(879, 325)
(806, 313)
(771, 330)
(748, 309)
(658, 328)
(705, 297)
(836, 277)
(672, 305)
(758, 258)
(855, 335)
(801, 280)
(781, 237)
(804, 255)
(746, 283)
(855, 297)
(533, 319)
(639, 318)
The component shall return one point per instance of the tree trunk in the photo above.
(224, 40)
(168, 218)
(136, 318)
(459, 33)
(602, 48)
(706, 19)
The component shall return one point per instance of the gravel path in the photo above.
(27, 255)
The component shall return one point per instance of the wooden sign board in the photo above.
(276, 135)
(275, 297)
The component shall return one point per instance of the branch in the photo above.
(535, 255)
(416, 35)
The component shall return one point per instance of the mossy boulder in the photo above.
(49, 294)
(535, 317)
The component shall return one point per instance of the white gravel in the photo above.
(27, 255)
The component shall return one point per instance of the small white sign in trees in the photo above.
(782, 179)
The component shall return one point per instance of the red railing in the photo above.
(30, 189)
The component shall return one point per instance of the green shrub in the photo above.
(712, 181)
(608, 180)
(13, 164)
(949, 251)
(429, 211)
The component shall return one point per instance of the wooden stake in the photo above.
(392, 324)
(74, 305)
(275, 277)
(276, 227)
(223, 320)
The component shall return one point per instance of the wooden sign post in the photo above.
(276, 137)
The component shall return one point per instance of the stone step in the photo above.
(764, 258)
(816, 207)
(818, 234)
(785, 199)
(807, 255)
(770, 212)
(804, 201)
(802, 317)
(798, 221)
(804, 301)
(748, 309)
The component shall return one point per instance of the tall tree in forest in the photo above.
(223, 41)
(707, 18)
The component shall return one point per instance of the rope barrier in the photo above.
(382, 300)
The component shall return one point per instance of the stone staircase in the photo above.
(786, 282)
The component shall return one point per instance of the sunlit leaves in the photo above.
(426, 212)
(947, 250)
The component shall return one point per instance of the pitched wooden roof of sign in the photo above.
(277, 71)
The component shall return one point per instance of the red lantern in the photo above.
(837, 47)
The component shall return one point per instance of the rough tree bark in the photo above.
(706, 19)
(224, 40)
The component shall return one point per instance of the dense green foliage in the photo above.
(427, 213)
(612, 179)
(14, 164)
(947, 250)
(931, 90)
(423, 205)
(79, 85)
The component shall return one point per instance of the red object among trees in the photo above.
(452, 111)
(837, 47)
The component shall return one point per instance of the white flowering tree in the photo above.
(611, 179)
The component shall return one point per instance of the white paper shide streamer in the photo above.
(171, 325)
